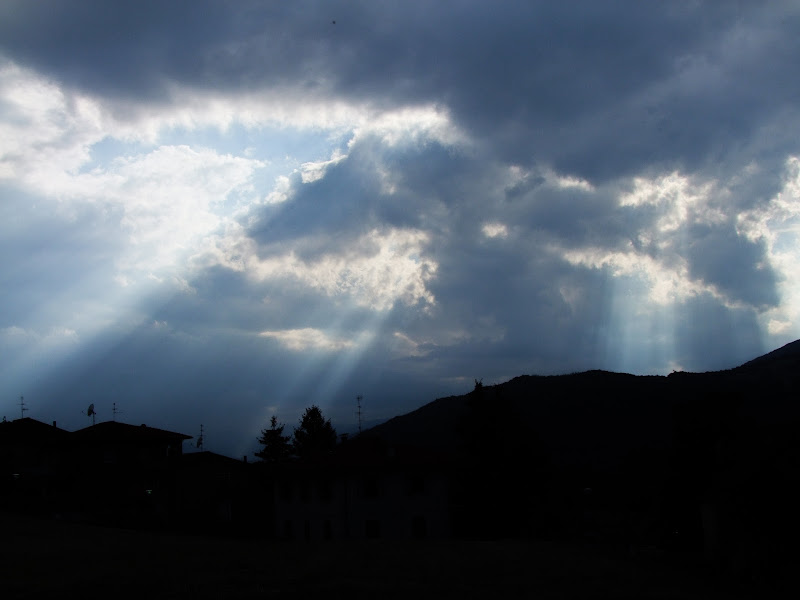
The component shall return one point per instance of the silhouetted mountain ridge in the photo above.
(785, 356)
(600, 418)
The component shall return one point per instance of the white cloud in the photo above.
(778, 217)
(567, 182)
(376, 270)
(776, 223)
(168, 200)
(523, 178)
(776, 327)
(44, 131)
(171, 196)
(314, 171)
(678, 197)
(166, 197)
(411, 125)
(299, 340)
(492, 230)
(281, 192)
(670, 204)
(667, 283)
(681, 201)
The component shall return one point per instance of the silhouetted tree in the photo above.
(315, 435)
(276, 446)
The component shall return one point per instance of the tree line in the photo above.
(315, 435)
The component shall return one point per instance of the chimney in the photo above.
(54, 424)
(244, 458)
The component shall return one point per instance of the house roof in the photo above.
(115, 431)
(29, 430)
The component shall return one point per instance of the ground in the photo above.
(45, 558)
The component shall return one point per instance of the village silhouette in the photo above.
(690, 468)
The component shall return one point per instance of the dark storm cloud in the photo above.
(501, 295)
(737, 266)
(125, 49)
(521, 188)
(341, 202)
(351, 197)
(516, 282)
(597, 89)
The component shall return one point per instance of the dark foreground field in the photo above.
(46, 559)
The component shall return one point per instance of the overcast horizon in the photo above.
(213, 212)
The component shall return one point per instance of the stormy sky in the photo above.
(212, 212)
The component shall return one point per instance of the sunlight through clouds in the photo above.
(677, 198)
(314, 171)
(666, 284)
(777, 224)
(45, 132)
(257, 202)
(411, 125)
(376, 270)
(173, 196)
(300, 340)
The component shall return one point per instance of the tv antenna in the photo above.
(115, 411)
(200, 439)
(359, 398)
(90, 412)
(22, 408)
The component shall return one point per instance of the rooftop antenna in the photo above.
(359, 398)
(22, 408)
(90, 412)
(115, 411)
(200, 439)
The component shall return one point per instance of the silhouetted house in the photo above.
(125, 473)
(32, 456)
(750, 520)
(363, 490)
(218, 494)
(115, 443)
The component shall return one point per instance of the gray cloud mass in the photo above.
(214, 212)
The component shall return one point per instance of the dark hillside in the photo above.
(594, 416)
(432, 425)
(705, 463)
(599, 416)
(784, 356)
